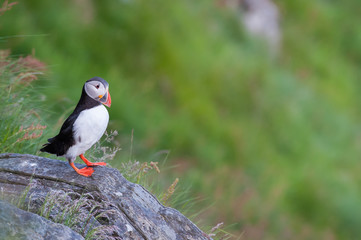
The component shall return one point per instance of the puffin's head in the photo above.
(97, 88)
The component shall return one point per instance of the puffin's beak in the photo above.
(106, 99)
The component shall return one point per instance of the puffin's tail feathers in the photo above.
(49, 147)
(53, 147)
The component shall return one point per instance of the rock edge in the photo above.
(132, 211)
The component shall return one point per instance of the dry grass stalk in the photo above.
(212, 234)
(27, 77)
(105, 153)
(154, 165)
(6, 6)
(27, 67)
(31, 63)
(27, 135)
(170, 191)
(144, 168)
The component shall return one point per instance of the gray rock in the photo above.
(17, 224)
(124, 210)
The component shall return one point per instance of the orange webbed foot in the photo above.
(90, 164)
(86, 172)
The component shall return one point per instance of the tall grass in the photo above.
(21, 121)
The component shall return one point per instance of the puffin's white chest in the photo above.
(88, 128)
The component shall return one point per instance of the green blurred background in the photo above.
(272, 144)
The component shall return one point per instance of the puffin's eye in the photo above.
(97, 86)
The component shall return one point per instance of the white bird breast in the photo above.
(88, 128)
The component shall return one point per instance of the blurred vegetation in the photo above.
(20, 121)
(275, 142)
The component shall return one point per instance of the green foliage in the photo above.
(274, 140)
(20, 121)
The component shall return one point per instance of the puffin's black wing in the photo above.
(60, 144)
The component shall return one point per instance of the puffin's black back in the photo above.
(60, 144)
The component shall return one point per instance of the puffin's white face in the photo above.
(97, 91)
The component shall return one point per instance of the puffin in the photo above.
(84, 127)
